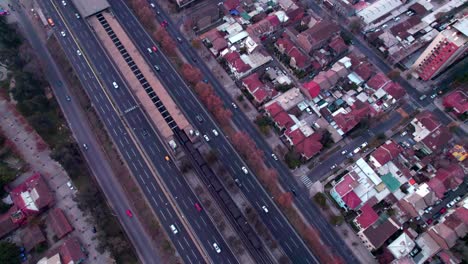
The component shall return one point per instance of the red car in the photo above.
(429, 221)
(198, 207)
(443, 210)
(129, 213)
(155, 49)
(164, 23)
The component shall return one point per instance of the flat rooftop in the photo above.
(88, 8)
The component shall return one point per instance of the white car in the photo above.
(234, 105)
(206, 138)
(356, 150)
(344, 152)
(363, 145)
(77, 15)
(333, 167)
(265, 209)
(63, 33)
(216, 247)
(174, 229)
(78, 52)
(64, 3)
(404, 133)
(70, 185)
(115, 85)
(215, 132)
(152, 5)
(85, 146)
(274, 156)
(244, 169)
(149, 50)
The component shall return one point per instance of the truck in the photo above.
(51, 22)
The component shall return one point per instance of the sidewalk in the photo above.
(15, 127)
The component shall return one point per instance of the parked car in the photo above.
(174, 229)
(215, 132)
(206, 138)
(265, 209)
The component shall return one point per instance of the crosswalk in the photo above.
(307, 182)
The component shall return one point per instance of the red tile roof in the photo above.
(318, 33)
(283, 120)
(71, 251)
(252, 82)
(438, 138)
(385, 153)
(401, 29)
(346, 185)
(296, 136)
(300, 58)
(458, 100)
(367, 217)
(260, 95)
(462, 214)
(364, 70)
(233, 58)
(395, 90)
(59, 223)
(433, 62)
(265, 26)
(377, 235)
(378, 81)
(428, 120)
(274, 109)
(295, 14)
(37, 195)
(313, 88)
(338, 45)
(231, 4)
(446, 178)
(351, 200)
(310, 146)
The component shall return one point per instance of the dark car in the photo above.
(294, 192)
(429, 221)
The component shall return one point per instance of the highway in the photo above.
(282, 231)
(95, 157)
(126, 129)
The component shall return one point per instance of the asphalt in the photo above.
(282, 231)
(95, 157)
(125, 129)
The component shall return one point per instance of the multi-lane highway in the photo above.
(95, 157)
(286, 236)
(138, 148)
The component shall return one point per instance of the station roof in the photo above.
(88, 8)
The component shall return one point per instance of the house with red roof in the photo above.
(280, 117)
(458, 222)
(429, 133)
(264, 27)
(310, 146)
(255, 87)
(32, 196)
(310, 89)
(446, 179)
(443, 235)
(375, 236)
(298, 60)
(71, 251)
(337, 46)
(236, 65)
(367, 216)
(317, 36)
(59, 223)
(458, 101)
(378, 81)
(385, 153)
(343, 192)
(215, 41)
(395, 90)
(364, 70)
(347, 121)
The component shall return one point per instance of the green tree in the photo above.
(9, 253)
(321, 200)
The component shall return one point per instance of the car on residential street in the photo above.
(129, 213)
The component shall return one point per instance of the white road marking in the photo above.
(164, 216)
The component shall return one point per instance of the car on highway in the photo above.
(115, 85)
(77, 15)
(199, 118)
(157, 12)
(234, 105)
(155, 49)
(215, 132)
(206, 138)
(293, 191)
(149, 50)
(244, 169)
(265, 209)
(216, 247)
(174, 229)
(273, 155)
(152, 5)
(164, 23)
(167, 158)
(179, 39)
(68, 98)
(198, 207)
(78, 52)
(64, 3)
(63, 33)
(156, 67)
(205, 80)
(85, 146)
(70, 185)
(239, 184)
(129, 213)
